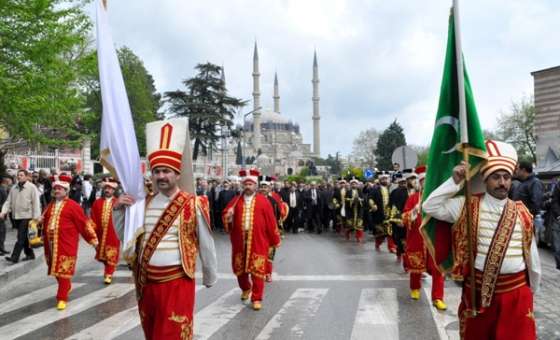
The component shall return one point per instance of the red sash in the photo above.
(497, 252)
(170, 214)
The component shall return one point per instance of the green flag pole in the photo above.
(465, 144)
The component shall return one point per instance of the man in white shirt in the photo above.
(176, 230)
(507, 267)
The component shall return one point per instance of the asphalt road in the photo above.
(324, 287)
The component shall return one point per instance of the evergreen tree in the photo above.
(207, 105)
(388, 141)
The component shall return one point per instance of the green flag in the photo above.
(445, 150)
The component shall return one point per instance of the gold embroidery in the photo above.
(185, 323)
(111, 254)
(106, 212)
(163, 224)
(67, 264)
(54, 225)
(496, 253)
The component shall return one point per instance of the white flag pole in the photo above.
(465, 147)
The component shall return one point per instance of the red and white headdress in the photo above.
(501, 156)
(421, 172)
(62, 181)
(165, 140)
(251, 175)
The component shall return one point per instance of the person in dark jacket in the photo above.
(295, 204)
(3, 197)
(531, 190)
(226, 195)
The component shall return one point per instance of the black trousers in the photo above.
(399, 236)
(292, 222)
(315, 219)
(2, 234)
(22, 240)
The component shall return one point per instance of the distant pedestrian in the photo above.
(3, 198)
(23, 202)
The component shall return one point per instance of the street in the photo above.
(324, 287)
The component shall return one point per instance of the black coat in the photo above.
(379, 215)
(530, 192)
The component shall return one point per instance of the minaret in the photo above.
(276, 94)
(256, 102)
(316, 117)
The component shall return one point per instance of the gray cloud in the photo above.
(378, 60)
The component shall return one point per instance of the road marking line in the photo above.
(276, 277)
(211, 318)
(114, 326)
(111, 327)
(302, 305)
(99, 273)
(377, 315)
(444, 318)
(36, 321)
(48, 292)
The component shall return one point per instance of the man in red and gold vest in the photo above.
(176, 230)
(417, 260)
(506, 261)
(63, 221)
(102, 216)
(250, 220)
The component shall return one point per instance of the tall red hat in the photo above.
(251, 175)
(165, 141)
(62, 181)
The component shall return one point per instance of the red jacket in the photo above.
(262, 234)
(109, 243)
(61, 242)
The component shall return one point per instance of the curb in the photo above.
(12, 272)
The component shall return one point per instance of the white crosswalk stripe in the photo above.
(99, 273)
(210, 319)
(115, 325)
(377, 315)
(34, 297)
(36, 321)
(302, 306)
(444, 318)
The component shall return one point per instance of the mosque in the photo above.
(272, 139)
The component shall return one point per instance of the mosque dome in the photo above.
(271, 120)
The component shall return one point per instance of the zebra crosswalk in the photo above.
(370, 309)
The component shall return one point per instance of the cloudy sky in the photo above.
(378, 60)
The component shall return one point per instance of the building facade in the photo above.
(547, 118)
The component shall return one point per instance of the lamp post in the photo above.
(243, 134)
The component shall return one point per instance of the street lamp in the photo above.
(243, 134)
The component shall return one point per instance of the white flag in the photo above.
(119, 149)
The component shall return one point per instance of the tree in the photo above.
(143, 97)
(42, 55)
(206, 104)
(422, 152)
(334, 164)
(388, 141)
(517, 128)
(364, 146)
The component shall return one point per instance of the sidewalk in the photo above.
(547, 308)
(10, 271)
